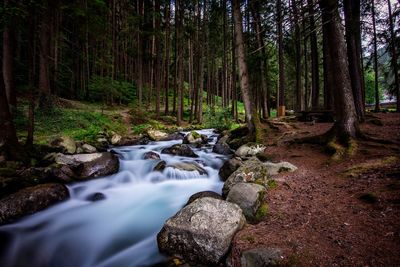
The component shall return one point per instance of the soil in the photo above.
(332, 213)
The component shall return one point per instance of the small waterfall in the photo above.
(112, 221)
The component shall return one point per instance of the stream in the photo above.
(120, 230)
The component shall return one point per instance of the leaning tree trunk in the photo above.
(346, 125)
(251, 112)
(353, 28)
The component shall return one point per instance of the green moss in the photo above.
(195, 135)
(262, 212)
(272, 184)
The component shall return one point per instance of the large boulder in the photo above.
(156, 135)
(202, 194)
(180, 150)
(65, 143)
(195, 138)
(88, 148)
(252, 171)
(257, 257)
(202, 231)
(229, 167)
(275, 168)
(31, 200)
(248, 197)
(222, 148)
(86, 166)
(249, 150)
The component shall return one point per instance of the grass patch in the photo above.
(272, 184)
(369, 166)
(262, 212)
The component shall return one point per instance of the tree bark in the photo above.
(346, 124)
(377, 106)
(297, 37)
(353, 28)
(251, 112)
(281, 89)
(314, 57)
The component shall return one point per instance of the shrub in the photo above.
(111, 91)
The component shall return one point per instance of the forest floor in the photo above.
(333, 213)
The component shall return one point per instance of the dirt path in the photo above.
(322, 215)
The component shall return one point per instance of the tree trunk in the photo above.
(297, 37)
(314, 58)
(251, 112)
(167, 54)
(8, 60)
(281, 89)
(353, 28)
(394, 56)
(346, 124)
(180, 52)
(157, 70)
(377, 106)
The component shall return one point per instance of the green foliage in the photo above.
(369, 77)
(149, 125)
(110, 91)
(220, 119)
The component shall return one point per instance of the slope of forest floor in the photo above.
(330, 213)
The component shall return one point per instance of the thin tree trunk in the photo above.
(251, 112)
(377, 106)
(314, 57)
(297, 37)
(167, 54)
(281, 89)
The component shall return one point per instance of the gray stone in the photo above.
(229, 167)
(160, 166)
(252, 171)
(261, 257)
(180, 150)
(249, 150)
(188, 166)
(275, 168)
(88, 148)
(151, 155)
(222, 148)
(65, 143)
(115, 139)
(156, 135)
(248, 197)
(87, 166)
(31, 200)
(195, 138)
(202, 194)
(202, 231)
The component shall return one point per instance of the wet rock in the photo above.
(174, 136)
(222, 148)
(249, 150)
(180, 150)
(229, 167)
(261, 257)
(156, 135)
(195, 138)
(151, 155)
(86, 166)
(96, 197)
(30, 200)
(115, 139)
(275, 168)
(160, 166)
(202, 231)
(252, 171)
(65, 143)
(88, 148)
(132, 141)
(188, 166)
(202, 194)
(248, 197)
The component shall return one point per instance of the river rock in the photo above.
(188, 166)
(249, 150)
(202, 194)
(202, 231)
(229, 167)
(248, 197)
(261, 257)
(115, 139)
(195, 138)
(151, 155)
(252, 171)
(93, 165)
(96, 197)
(65, 143)
(275, 168)
(174, 136)
(180, 150)
(156, 135)
(222, 148)
(160, 166)
(31, 200)
(88, 148)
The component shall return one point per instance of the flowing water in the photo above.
(119, 230)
